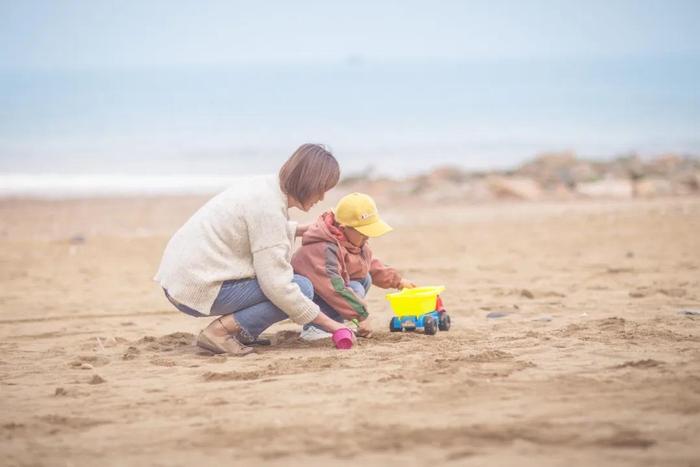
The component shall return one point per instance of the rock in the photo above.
(608, 188)
(527, 294)
(448, 174)
(666, 164)
(443, 192)
(561, 192)
(476, 190)
(514, 188)
(652, 187)
(686, 183)
(549, 169)
(629, 167)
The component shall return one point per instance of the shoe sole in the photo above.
(204, 343)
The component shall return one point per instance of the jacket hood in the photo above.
(325, 230)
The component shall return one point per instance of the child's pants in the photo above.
(360, 287)
(251, 308)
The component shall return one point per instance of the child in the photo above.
(336, 258)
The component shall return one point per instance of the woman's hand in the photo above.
(301, 229)
(406, 284)
(330, 325)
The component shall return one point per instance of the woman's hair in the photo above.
(312, 170)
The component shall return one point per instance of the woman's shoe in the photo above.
(228, 344)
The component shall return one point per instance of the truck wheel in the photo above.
(395, 325)
(429, 325)
(445, 322)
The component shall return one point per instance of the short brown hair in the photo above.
(312, 170)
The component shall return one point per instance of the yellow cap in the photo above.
(358, 211)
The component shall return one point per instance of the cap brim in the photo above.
(375, 229)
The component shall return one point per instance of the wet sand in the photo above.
(593, 361)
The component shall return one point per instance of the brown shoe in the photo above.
(228, 344)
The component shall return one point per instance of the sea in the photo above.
(194, 129)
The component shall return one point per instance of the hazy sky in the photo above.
(95, 33)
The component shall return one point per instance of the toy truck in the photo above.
(418, 308)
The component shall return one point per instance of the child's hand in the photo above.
(364, 329)
(406, 284)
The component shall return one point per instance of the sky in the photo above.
(193, 86)
(98, 34)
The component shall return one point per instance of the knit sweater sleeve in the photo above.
(271, 249)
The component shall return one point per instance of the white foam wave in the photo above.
(54, 186)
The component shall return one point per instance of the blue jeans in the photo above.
(360, 287)
(244, 298)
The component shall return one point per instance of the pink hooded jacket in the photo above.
(330, 261)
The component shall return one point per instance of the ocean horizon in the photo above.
(391, 119)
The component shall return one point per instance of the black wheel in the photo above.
(445, 322)
(395, 325)
(429, 325)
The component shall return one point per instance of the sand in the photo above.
(593, 361)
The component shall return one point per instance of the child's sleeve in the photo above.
(383, 276)
(320, 264)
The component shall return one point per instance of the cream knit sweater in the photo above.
(241, 233)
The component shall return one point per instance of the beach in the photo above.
(575, 340)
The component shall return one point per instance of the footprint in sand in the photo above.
(626, 439)
(68, 392)
(615, 270)
(612, 324)
(675, 292)
(648, 363)
(527, 294)
(167, 343)
(211, 376)
(96, 379)
(163, 362)
(88, 362)
(131, 353)
(71, 423)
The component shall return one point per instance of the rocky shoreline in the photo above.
(558, 176)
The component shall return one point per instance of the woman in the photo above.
(231, 259)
